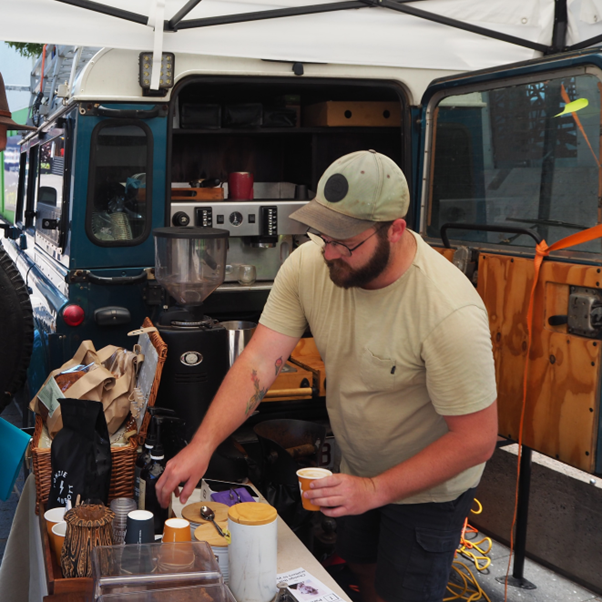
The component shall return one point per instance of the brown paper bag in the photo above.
(110, 379)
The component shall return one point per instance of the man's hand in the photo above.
(343, 494)
(187, 467)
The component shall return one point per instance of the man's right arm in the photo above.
(241, 392)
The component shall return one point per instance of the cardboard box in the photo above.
(352, 114)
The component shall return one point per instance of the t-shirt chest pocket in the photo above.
(378, 373)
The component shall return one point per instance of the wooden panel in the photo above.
(306, 359)
(307, 354)
(561, 415)
(447, 253)
(289, 380)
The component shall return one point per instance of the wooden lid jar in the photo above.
(253, 551)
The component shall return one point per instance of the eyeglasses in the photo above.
(341, 248)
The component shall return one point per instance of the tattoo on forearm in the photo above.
(259, 394)
(279, 363)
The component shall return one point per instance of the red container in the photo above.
(240, 186)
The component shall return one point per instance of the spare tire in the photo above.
(16, 329)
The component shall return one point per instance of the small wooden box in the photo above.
(352, 114)
(197, 194)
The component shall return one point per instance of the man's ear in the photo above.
(396, 230)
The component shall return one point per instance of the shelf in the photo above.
(297, 131)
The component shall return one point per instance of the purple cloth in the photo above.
(232, 496)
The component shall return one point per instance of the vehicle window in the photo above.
(30, 185)
(11, 177)
(524, 156)
(118, 213)
(22, 190)
(51, 175)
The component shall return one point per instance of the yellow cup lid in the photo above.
(252, 513)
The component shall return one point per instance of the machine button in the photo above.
(220, 219)
(236, 218)
(180, 218)
(191, 358)
(251, 218)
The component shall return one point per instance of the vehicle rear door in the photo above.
(510, 157)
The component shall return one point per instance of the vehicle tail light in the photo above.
(73, 315)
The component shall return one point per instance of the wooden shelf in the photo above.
(293, 131)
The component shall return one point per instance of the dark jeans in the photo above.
(413, 546)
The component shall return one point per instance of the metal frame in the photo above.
(178, 21)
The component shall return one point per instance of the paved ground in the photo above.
(550, 587)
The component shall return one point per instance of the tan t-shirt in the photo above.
(397, 359)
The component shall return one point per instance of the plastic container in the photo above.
(141, 567)
(253, 552)
(215, 593)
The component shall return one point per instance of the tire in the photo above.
(16, 329)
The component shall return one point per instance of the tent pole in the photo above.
(107, 10)
(489, 33)
(172, 24)
(560, 27)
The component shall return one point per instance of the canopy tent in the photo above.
(456, 35)
(374, 32)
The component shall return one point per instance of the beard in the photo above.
(344, 276)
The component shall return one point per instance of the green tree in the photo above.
(26, 49)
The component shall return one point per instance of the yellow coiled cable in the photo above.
(465, 586)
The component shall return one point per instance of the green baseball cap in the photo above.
(355, 192)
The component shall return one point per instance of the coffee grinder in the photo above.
(190, 264)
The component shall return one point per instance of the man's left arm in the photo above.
(470, 441)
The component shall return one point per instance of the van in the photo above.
(497, 161)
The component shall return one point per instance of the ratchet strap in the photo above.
(542, 250)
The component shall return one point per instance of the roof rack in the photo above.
(61, 65)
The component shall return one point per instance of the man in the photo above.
(6, 122)
(410, 380)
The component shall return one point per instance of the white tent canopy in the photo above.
(371, 35)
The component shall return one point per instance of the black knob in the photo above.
(180, 218)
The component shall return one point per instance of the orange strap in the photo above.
(566, 99)
(541, 250)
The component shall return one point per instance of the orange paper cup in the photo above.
(57, 539)
(53, 516)
(306, 476)
(176, 529)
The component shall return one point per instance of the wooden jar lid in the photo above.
(208, 533)
(252, 513)
(192, 512)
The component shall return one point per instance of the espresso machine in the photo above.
(190, 264)
(261, 231)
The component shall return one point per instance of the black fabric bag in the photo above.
(242, 115)
(202, 116)
(80, 454)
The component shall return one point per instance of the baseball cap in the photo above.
(356, 191)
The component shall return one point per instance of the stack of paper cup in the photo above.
(121, 506)
(54, 517)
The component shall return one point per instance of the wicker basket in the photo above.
(123, 458)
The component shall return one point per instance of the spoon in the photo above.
(208, 514)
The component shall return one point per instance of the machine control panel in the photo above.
(269, 217)
(204, 217)
(269, 221)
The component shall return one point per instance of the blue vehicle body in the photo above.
(477, 172)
